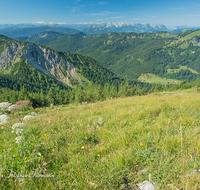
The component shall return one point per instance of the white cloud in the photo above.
(118, 17)
(77, 1)
(77, 8)
(103, 2)
(99, 14)
(138, 19)
(39, 22)
(61, 23)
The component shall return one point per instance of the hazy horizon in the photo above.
(169, 13)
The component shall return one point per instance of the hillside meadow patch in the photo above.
(113, 144)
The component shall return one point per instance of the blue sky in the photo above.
(170, 12)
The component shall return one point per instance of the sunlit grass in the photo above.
(151, 78)
(108, 145)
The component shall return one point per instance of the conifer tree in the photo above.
(106, 91)
(23, 94)
(89, 94)
(99, 93)
(51, 97)
(113, 92)
(79, 96)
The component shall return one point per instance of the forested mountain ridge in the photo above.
(19, 59)
(43, 37)
(27, 31)
(173, 56)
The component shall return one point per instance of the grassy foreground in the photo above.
(107, 145)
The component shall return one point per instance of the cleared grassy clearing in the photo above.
(191, 35)
(182, 67)
(187, 37)
(151, 78)
(108, 145)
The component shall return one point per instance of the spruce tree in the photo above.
(23, 94)
(51, 97)
(106, 91)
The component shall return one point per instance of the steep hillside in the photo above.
(68, 68)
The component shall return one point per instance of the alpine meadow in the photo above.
(89, 99)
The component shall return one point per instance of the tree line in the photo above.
(93, 93)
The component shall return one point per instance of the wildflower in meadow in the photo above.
(27, 117)
(4, 106)
(18, 128)
(82, 147)
(10, 108)
(4, 119)
(141, 144)
(86, 138)
(33, 114)
(19, 140)
(100, 121)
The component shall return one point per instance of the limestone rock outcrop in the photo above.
(46, 60)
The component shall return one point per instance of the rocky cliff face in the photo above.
(46, 60)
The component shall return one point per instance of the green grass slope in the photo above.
(106, 145)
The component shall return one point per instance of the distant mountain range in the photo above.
(25, 30)
(116, 55)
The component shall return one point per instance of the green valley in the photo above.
(131, 54)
